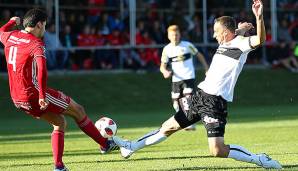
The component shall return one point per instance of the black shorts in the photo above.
(183, 87)
(210, 109)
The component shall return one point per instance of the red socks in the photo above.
(88, 127)
(58, 147)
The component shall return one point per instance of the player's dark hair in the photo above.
(33, 16)
(228, 22)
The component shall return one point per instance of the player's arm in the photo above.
(10, 24)
(163, 69)
(201, 58)
(42, 81)
(7, 27)
(163, 65)
(42, 75)
(257, 8)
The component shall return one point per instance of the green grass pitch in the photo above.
(263, 118)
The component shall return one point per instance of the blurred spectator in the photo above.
(69, 40)
(55, 58)
(84, 57)
(130, 59)
(77, 22)
(104, 24)
(6, 14)
(153, 16)
(95, 11)
(157, 33)
(115, 22)
(195, 34)
(150, 56)
(109, 58)
(287, 4)
(284, 56)
(293, 28)
(296, 50)
(283, 31)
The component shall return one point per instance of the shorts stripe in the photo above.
(56, 101)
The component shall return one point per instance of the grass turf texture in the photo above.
(263, 118)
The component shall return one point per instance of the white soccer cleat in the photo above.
(125, 147)
(268, 163)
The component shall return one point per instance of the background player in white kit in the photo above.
(178, 56)
(209, 103)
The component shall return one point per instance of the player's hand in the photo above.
(245, 25)
(167, 74)
(257, 8)
(243, 28)
(43, 103)
(17, 19)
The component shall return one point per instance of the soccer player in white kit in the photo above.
(209, 103)
(178, 56)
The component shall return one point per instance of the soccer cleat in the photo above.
(268, 163)
(61, 169)
(111, 146)
(125, 147)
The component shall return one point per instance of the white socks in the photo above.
(151, 138)
(241, 154)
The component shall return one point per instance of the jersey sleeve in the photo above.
(193, 49)
(4, 30)
(164, 56)
(39, 55)
(39, 51)
(244, 43)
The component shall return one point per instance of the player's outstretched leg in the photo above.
(239, 153)
(77, 112)
(219, 149)
(127, 148)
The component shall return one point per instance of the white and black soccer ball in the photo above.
(106, 126)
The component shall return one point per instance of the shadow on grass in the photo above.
(101, 161)
(295, 166)
(90, 152)
(290, 167)
(30, 137)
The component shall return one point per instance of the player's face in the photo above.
(219, 32)
(174, 36)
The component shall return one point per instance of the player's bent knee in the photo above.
(60, 125)
(169, 127)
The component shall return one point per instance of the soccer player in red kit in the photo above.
(26, 65)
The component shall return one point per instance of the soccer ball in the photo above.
(106, 126)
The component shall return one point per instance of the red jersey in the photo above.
(26, 66)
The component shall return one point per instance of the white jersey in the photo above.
(180, 58)
(225, 68)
